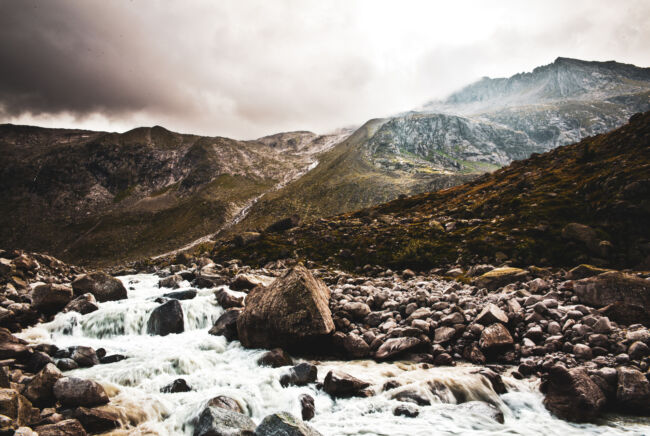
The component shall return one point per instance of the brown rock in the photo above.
(494, 337)
(83, 304)
(633, 391)
(69, 427)
(396, 346)
(73, 392)
(490, 314)
(292, 311)
(51, 298)
(341, 385)
(355, 346)
(101, 285)
(275, 358)
(97, 419)
(572, 395)
(226, 403)
(39, 390)
(226, 325)
(17, 407)
(500, 277)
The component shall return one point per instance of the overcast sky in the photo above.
(244, 69)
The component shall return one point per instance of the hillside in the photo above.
(586, 202)
(95, 197)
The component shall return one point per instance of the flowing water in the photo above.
(213, 367)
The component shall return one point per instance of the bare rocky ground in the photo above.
(583, 332)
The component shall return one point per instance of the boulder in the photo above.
(84, 356)
(165, 319)
(491, 314)
(68, 427)
(73, 392)
(17, 407)
(285, 424)
(572, 395)
(307, 407)
(101, 285)
(355, 346)
(638, 350)
(300, 375)
(633, 391)
(188, 294)
(499, 277)
(51, 298)
(173, 281)
(112, 358)
(356, 309)
(98, 419)
(616, 288)
(39, 390)
(83, 304)
(394, 347)
(226, 325)
(217, 421)
(275, 358)
(342, 385)
(11, 347)
(482, 408)
(443, 334)
(292, 312)
(178, 385)
(495, 337)
(226, 403)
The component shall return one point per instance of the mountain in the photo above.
(103, 197)
(478, 129)
(585, 202)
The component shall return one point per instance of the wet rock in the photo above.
(37, 361)
(491, 314)
(246, 282)
(226, 325)
(165, 319)
(181, 295)
(284, 423)
(300, 375)
(178, 385)
(412, 395)
(112, 358)
(443, 359)
(73, 392)
(633, 391)
(275, 358)
(500, 277)
(572, 395)
(482, 408)
(339, 384)
(307, 407)
(216, 421)
(68, 427)
(394, 347)
(17, 407)
(97, 419)
(173, 281)
(39, 390)
(355, 346)
(51, 298)
(85, 356)
(66, 364)
(83, 304)
(292, 311)
(228, 300)
(616, 287)
(407, 410)
(226, 403)
(101, 285)
(495, 337)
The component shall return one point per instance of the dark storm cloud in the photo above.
(249, 68)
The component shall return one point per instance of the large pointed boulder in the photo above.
(291, 311)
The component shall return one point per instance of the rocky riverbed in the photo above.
(481, 351)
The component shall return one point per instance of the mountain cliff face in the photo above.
(586, 202)
(95, 196)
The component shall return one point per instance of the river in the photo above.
(212, 367)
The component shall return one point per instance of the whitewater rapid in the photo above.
(212, 367)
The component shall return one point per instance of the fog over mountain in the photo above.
(245, 70)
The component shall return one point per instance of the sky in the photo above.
(245, 69)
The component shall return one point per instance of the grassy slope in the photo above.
(520, 211)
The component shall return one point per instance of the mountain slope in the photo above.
(586, 202)
(104, 197)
